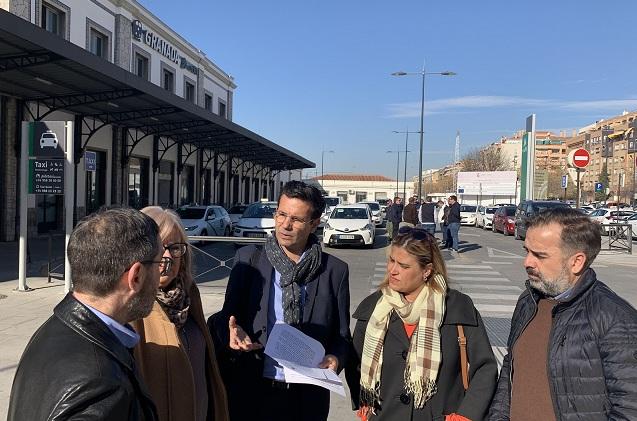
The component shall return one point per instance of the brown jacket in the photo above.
(163, 363)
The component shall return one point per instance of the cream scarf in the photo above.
(424, 357)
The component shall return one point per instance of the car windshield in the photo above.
(467, 208)
(541, 207)
(331, 201)
(510, 211)
(491, 210)
(373, 206)
(191, 213)
(598, 212)
(349, 213)
(237, 209)
(259, 210)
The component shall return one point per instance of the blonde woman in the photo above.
(176, 356)
(406, 342)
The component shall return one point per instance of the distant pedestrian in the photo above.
(79, 364)
(453, 221)
(395, 215)
(426, 216)
(410, 213)
(572, 350)
(388, 223)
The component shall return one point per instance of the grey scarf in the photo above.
(294, 275)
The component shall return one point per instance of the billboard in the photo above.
(487, 183)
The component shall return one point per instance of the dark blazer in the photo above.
(454, 214)
(325, 318)
(75, 368)
(450, 397)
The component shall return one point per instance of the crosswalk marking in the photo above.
(381, 263)
(379, 275)
(497, 263)
(459, 266)
(479, 278)
(380, 269)
(490, 286)
(495, 308)
(503, 297)
(473, 272)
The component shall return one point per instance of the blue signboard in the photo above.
(599, 187)
(564, 181)
(90, 161)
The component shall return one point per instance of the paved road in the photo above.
(489, 269)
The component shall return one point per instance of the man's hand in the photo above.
(239, 340)
(329, 361)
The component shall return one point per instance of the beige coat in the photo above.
(164, 365)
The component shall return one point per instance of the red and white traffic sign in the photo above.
(579, 158)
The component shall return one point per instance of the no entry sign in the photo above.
(579, 158)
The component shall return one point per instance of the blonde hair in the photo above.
(425, 251)
(169, 222)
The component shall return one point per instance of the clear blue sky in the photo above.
(315, 75)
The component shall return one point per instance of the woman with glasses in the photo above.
(406, 342)
(176, 355)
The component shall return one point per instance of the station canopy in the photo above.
(45, 69)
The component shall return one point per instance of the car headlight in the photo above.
(237, 230)
(328, 226)
(191, 228)
(369, 227)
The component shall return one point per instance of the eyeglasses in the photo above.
(176, 250)
(165, 264)
(282, 216)
(416, 233)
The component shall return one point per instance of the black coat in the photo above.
(451, 397)
(454, 214)
(592, 359)
(395, 213)
(325, 318)
(75, 368)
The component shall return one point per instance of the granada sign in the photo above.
(142, 34)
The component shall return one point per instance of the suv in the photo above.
(205, 220)
(527, 209)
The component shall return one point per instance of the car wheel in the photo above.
(226, 233)
(203, 233)
(493, 228)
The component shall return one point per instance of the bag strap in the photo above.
(464, 361)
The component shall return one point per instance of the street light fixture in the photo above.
(406, 151)
(422, 73)
(323, 152)
(397, 167)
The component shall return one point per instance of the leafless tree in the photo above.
(487, 159)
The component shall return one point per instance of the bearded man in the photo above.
(572, 349)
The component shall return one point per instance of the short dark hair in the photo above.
(299, 190)
(453, 196)
(105, 244)
(579, 232)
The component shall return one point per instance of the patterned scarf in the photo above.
(175, 302)
(294, 275)
(424, 357)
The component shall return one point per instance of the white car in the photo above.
(257, 221)
(468, 214)
(236, 212)
(376, 213)
(48, 140)
(632, 220)
(610, 216)
(484, 216)
(349, 224)
(330, 203)
(205, 220)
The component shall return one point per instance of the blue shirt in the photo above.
(125, 334)
(271, 369)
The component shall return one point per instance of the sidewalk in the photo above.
(37, 257)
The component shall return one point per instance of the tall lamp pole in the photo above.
(406, 132)
(397, 167)
(422, 73)
(323, 152)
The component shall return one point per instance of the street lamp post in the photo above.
(397, 167)
(323, 152)
(406, 151)
(422, 73)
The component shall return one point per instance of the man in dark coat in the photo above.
(426, 216)
(572, 350)
(453, 222)
(257, 298)
(395, 215)
(79, 363)
(410, 213)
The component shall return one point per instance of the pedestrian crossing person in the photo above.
(408, 361)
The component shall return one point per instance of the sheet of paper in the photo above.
(300, 356)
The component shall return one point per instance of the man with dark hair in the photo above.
(572, 349)
(410, 213)
(395, 215)
(79, 363)
(426, 215)
(453, 223)
(290, 280)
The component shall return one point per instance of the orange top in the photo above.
(409, 329)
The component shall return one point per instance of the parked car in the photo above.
(504, 220)
(484, 216)
(632, 220)
(605, 216)
(375, 208)
(236, 212)
(350, 224)
(468, 214)
(205, 220)
(257, 221)
(527, 209)
(330, 203)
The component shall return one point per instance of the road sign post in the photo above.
(579, 158)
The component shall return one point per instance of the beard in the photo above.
(141, 304)
(547, 286)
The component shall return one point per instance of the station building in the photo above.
(153, 111)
